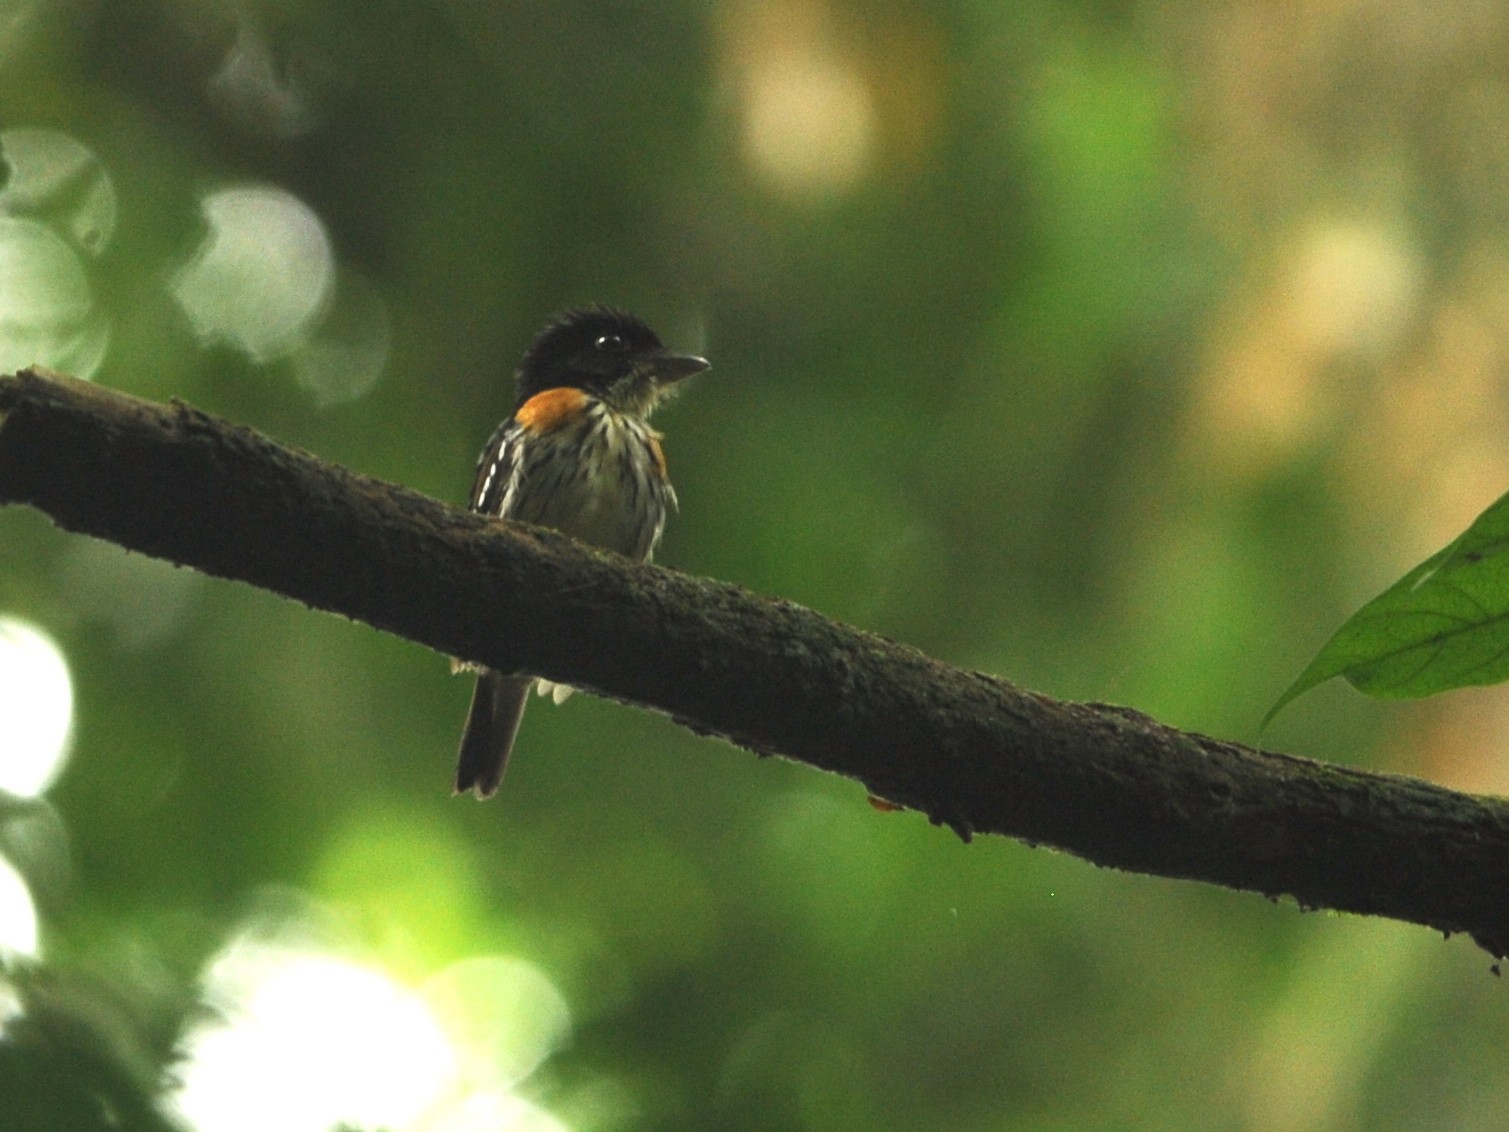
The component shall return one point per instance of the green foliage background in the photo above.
(1134, 348)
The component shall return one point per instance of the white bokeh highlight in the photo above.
(19, 936)
(47, 309)
(36, 709)
(343, 1043)
(503, 1015)
(261, 278)
(349, 1044)
(55, 178)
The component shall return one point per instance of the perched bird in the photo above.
(577, 455)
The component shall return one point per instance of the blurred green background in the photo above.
(1121, 349)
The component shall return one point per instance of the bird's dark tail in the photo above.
(497, 707)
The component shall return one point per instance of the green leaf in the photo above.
(1443, 625)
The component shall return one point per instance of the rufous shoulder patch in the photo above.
(550, 410)
(657, 453)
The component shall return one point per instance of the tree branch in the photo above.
(970, 750)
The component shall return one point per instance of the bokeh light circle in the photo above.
(47, 311)
(261, 278)
(36, 708)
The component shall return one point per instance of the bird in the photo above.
(577, 455)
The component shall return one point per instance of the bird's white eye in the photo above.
(612, 343)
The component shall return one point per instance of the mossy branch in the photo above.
(972, 751)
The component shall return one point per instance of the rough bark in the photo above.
(970, 750)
